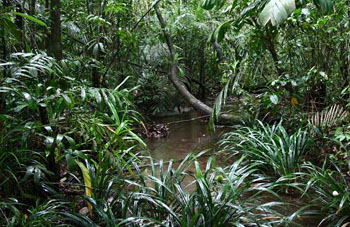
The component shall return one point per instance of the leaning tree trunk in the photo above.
(179, 85)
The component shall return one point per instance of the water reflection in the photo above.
(185, 136)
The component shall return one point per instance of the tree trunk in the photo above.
(54, 47)
(20, 26)
(179, 85)
(219, 54)
(32, 25)
(272, 50)
(54, 38)
(4, 75)
(96, 78)
(32, 7)
(201, 90)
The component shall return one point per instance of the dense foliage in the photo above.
(79, 80)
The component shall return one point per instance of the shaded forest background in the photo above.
(79, 81)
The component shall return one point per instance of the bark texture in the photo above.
(54, 39)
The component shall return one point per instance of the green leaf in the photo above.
(219, 33)
(274, 99)
(220, 3)
(27, 96)
(95, 50)
(37, 175)
(19, 108)
(325, 5)
(137, 138)
(114, 112)
(70, 140)
(70, 162)
(96, 95)
(83, 94)
(66, 98)
(59, 138)
(35, 20)
(276, 11)
(208, 4)
(9, 26)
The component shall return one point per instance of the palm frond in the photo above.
(328, 117)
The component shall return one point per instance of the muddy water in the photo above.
(185, 136)
(187, 133)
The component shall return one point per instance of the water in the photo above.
(185, 136)
(188, 133)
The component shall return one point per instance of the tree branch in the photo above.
(195, 103)
(145, 14)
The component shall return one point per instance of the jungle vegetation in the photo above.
(80, 79)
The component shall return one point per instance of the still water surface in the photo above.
(185, 136)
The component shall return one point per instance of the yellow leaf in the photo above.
(87, 182)
(294, 101)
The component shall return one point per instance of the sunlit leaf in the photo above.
(274, 99)
(276, 11)
(35, 20)
(87, 182)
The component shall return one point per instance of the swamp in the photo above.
(175, 113)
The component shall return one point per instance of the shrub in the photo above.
(330, 191)
(221, 197)
(276, 152)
